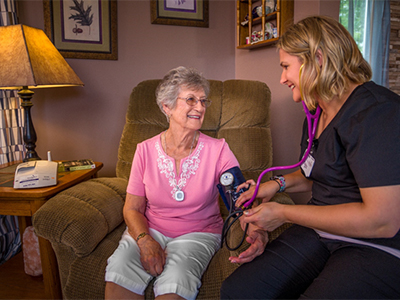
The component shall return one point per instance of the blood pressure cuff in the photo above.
(229, 181)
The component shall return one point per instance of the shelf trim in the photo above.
(259, 44)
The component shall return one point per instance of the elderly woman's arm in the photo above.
(152, 256)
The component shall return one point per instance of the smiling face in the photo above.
(184, 115)
(290, 73)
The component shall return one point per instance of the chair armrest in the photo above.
(81, 216)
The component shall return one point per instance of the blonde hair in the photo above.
(342, 61)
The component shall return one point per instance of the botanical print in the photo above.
(83, 16)
(177, 5)
(81, 20)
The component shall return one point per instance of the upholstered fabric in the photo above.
(84, 223)
(239, 113)
(87, 215)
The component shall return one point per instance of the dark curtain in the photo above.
(11, 143)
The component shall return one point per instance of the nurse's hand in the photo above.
(267, 216)
(152, 256)
(265, 191)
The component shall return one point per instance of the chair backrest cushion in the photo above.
(239, 113)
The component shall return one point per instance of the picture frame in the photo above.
(85, 29)
(180, 12)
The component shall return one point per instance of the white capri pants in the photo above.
(187, 258)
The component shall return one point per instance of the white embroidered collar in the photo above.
(189, 167)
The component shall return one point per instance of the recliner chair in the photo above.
(84, 223)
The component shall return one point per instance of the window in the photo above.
(368, 21)
(355, 25)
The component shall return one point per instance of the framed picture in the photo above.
(180, 12)
(82, 28)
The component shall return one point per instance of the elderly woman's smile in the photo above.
(185, 113)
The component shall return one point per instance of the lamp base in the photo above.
(29, 131)
(31, 156)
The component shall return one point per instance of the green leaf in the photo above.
(82, 17)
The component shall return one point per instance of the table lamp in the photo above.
(29, 60)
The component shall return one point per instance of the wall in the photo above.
(287, 118)
(394, 56)
(87, 122)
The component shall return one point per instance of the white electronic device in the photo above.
(35, 174)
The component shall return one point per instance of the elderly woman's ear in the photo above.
(167, 110)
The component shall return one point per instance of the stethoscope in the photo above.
(312, 122)
(312, 128)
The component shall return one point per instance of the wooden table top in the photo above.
(65, 180)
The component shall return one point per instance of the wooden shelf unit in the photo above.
(282, 18)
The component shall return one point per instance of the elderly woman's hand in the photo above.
(152, 256)
(258, 239)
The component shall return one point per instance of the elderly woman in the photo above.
(171, 210)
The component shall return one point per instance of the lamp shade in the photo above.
(29, 59)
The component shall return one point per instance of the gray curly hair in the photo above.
(168, 90)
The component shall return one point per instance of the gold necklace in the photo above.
(165, 142)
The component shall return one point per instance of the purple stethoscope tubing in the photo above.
(311, 134)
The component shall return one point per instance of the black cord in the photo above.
(227, 226)
(236, 214)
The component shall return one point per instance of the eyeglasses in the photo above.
(192, 101)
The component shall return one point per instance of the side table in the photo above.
(25, 202)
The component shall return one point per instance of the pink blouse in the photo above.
(153, 175)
